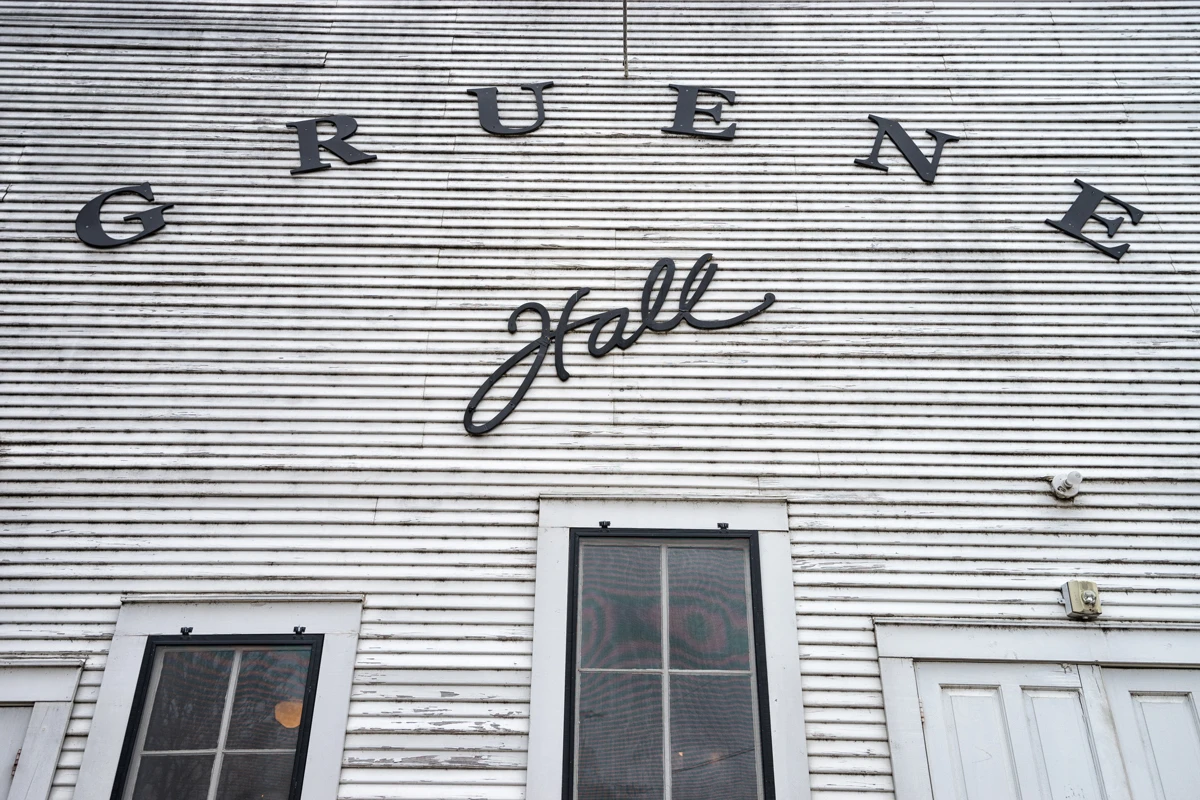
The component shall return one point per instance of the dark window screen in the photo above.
(220, 718)
(665, 695)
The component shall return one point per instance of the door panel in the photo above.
(1008, 731)
(14, 723)
(975, 731)
(1057, 720)
(1158, 729)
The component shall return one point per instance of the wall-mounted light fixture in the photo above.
(1066, 486)
(1082, 599)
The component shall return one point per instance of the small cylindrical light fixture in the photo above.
(1066, 486)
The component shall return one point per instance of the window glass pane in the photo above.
(620, 736)
(708, 608)
(620, 607)
(713, 752)
(269, 699)
(173, 778)
(190, 700)
(256, 776)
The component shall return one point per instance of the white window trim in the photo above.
(557, 515)
(49, 686)
(336, 616)
(903, 641)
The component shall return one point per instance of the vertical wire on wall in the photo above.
(625, 36)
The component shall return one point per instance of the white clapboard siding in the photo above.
(267, 395)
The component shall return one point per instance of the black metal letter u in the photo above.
(489, 113)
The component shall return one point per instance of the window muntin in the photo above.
(677, 710)
(220, 718)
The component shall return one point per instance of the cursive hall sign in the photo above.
(90, 231)
(599, 342)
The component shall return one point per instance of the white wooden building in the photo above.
(252, 421)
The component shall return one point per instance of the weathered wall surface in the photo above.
(267, 395)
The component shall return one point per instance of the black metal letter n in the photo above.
(925, 168)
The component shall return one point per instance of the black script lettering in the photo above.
(688, 298)
(540, 345)
(565, 326)
(91, 232)
(893, 130)
(697, 282)
(489, 111)
(649, 312)
(686, 111)
(310, 154)
(621, 315)
(1084, 209)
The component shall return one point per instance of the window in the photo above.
(220, 719)
(668, 692)
(746, 667)
(238, 676)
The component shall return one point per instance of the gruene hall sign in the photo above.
(91, 232)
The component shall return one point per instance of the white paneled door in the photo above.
(1028, 731)
(1155, 714)
(14, 724)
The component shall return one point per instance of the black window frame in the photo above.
(314, 640)
(760, 653)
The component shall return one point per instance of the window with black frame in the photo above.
(220, 718)
(667, 697)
